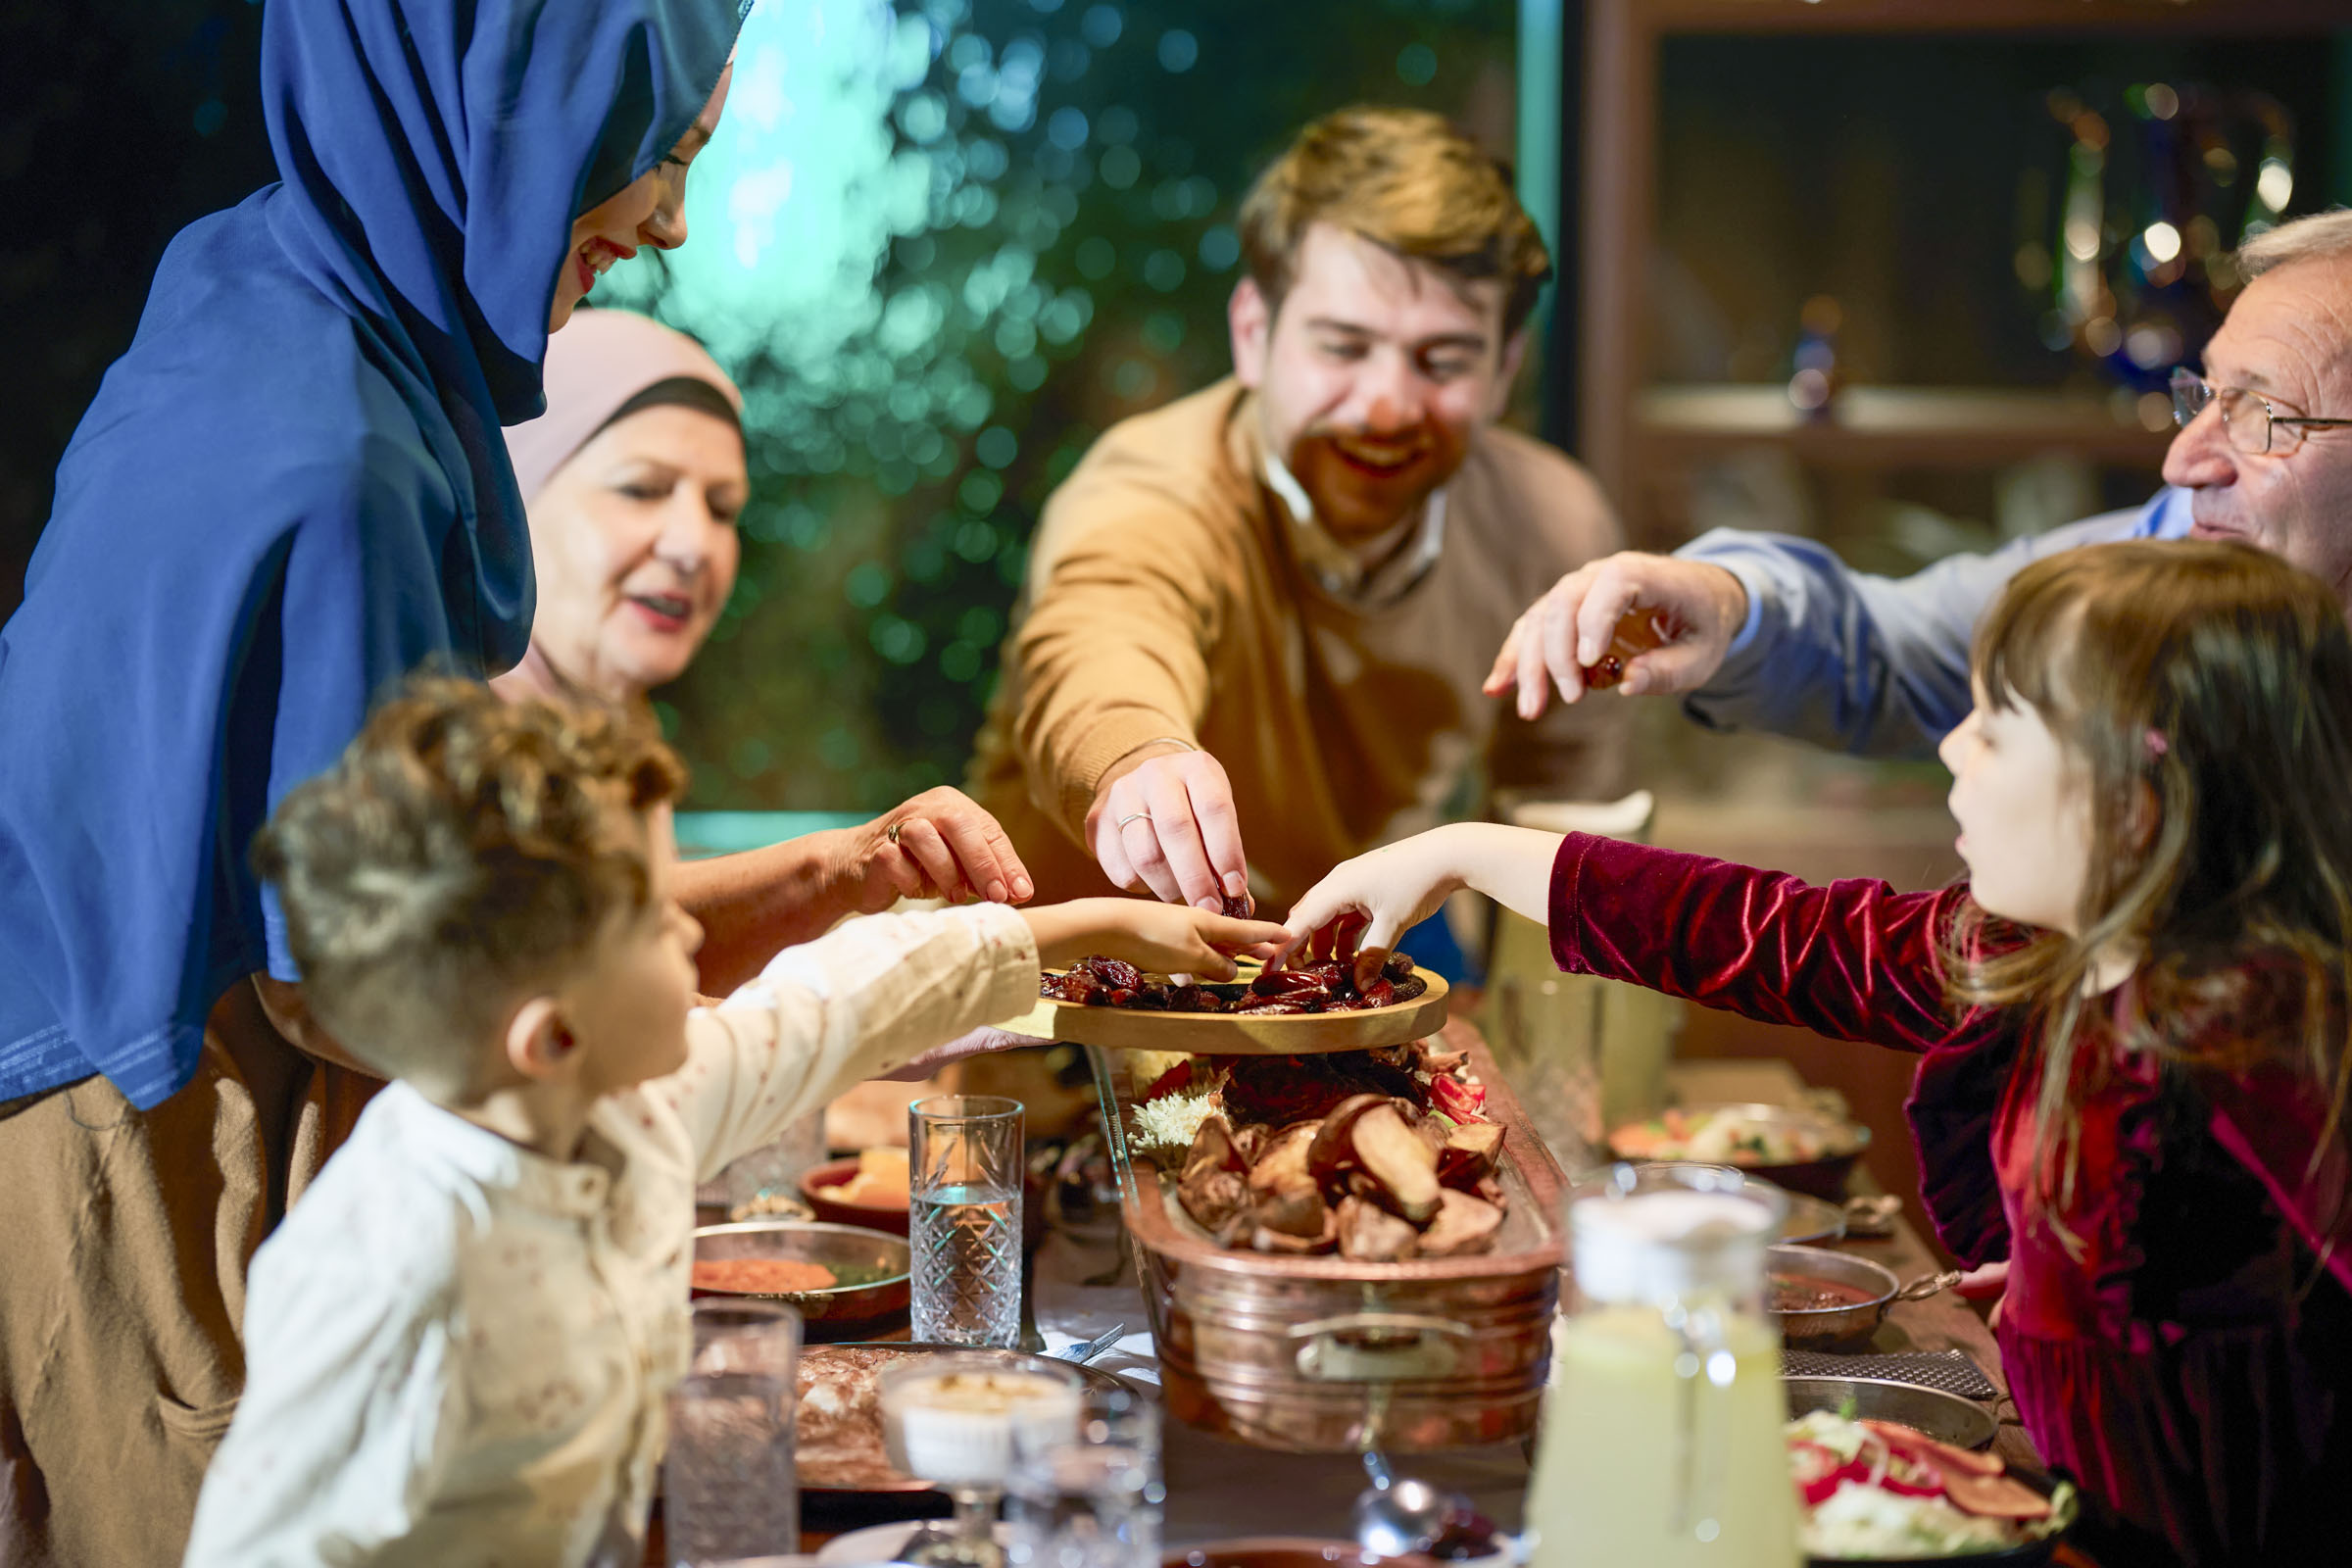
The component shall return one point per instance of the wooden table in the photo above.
(1223, 1489)
(1941, 1322)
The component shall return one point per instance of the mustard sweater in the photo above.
(1164, 599)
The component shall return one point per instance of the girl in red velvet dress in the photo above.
(2130, 1018)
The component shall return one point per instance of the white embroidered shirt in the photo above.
(457, 1349)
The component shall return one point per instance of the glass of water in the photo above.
(1090, 1498)
(964, 1221)
(729, 1490)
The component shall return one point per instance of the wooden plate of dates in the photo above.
(1302, 1011)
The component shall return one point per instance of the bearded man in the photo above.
(1266, 608)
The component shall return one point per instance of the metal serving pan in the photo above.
(1945, 1417)
(876, 1266)
(1841, 1142)
(1327, 1355)
(1809, 1218)
(1823, 1328)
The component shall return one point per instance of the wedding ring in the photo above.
(1133, 817)
(893, 834)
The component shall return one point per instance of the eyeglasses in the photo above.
(2250, 421)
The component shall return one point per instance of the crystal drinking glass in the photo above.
(729, 1490)
(1090, 1499)
(965, 1221)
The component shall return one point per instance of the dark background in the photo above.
(122, 122)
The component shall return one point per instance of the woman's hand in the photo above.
(1162, 938)
(940, 845)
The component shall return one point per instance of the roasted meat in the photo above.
(1348, 1151)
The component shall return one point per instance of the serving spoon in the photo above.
(1400, 1518)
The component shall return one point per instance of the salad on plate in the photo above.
(1878, 1490)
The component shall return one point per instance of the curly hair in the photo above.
(465, 852)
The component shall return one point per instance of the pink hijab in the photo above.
(597, 362)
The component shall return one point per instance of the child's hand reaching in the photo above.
(1363, 905)
(1162, 938)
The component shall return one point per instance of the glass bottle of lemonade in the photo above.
(1661, 1438)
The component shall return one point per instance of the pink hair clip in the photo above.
(2157, 745)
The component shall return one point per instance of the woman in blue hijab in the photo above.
(289, 493)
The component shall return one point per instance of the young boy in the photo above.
(458, 1341)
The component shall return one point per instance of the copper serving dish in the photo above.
(1329, 1355)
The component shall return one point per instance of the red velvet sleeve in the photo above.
(1856, 959)
(2271, 1120)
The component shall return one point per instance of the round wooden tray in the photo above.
(1230, 1034)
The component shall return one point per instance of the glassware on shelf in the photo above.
(1664, 1447)
(964, 1219)
(1092, 1499)
(961, 1421)
(729, 1490)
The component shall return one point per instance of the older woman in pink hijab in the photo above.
(634, 477)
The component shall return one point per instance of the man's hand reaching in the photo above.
(1163, 822)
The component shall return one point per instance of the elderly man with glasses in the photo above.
(1777, 634)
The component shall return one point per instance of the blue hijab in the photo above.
(292, 490)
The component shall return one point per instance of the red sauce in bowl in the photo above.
(761, 1276)
(1800, 1293)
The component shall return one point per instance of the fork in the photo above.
(1086, 1351)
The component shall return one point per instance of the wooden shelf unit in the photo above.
(1628, 428)
(1893, 426)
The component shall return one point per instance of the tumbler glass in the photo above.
(1090, 1499)
(965, 1221)
(729, 1490)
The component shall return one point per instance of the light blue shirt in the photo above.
(1872, 665)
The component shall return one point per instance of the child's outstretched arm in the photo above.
(1856, 959)
(1159, 938)
(1364, 904)
(877, 992)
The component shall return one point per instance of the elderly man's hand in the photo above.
(1564, 634)
(1163, 820)
(940, 845)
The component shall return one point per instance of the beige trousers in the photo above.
(125, 1236)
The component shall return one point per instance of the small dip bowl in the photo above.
(818, 1184)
